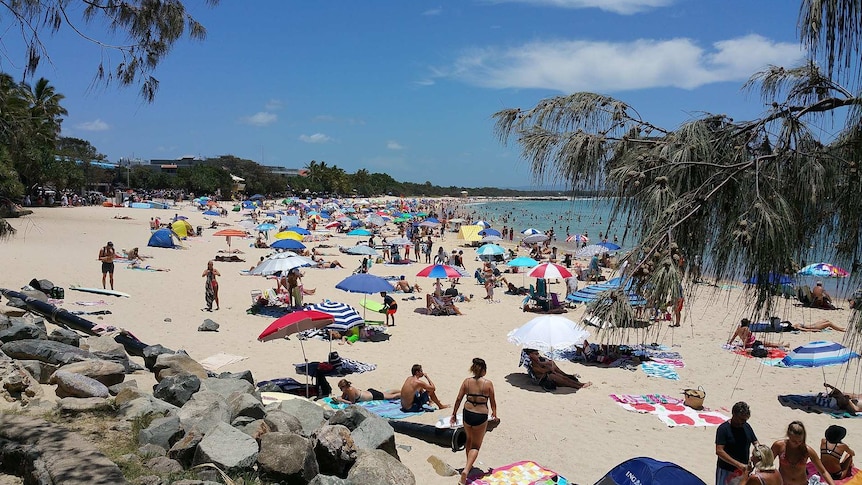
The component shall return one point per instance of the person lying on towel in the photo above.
(351, 395)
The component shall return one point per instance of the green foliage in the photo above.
(77, 149)
(204, 179)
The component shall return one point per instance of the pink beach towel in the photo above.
(671, 411)
(520, 473)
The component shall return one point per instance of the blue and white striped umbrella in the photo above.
(530, 231)
(818, 354)
(591, 292)
(345, 316)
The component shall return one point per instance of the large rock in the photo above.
(281, 421)
(287, 457)
(184, 450)
(246, 405)
(44, 351)
(41, 371)
(329, 480)
(76, 405)
(144, 406)
(227, 447)
(204, 411)
(106, 348)
(177, 389)
(152, 352)
(227, 387)
(104, 371)
(369, 431)
(244, 375)
(68, 337)
(163, 432)
(334, 449)
(310, 415)
(173, 364)
(76, 385)
(376, 466)
(20, 331)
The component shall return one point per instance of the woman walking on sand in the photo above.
(211, 286)
(479, 393)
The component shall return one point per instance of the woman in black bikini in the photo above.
(352, 395)
(832, 450)
(479, 391)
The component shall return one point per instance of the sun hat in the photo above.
(110, 243)
(835, 433)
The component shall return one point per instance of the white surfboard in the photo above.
(445, 422)
(100, 291)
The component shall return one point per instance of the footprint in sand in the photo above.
(441, 467)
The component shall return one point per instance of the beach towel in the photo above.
(219, 360)
(669, 410)
(675, 363)
(654, 369)
(811, 469)
(819, 403)
(92, 303)
(519, 473)
(389, 409)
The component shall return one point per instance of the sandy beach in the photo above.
(581, 435)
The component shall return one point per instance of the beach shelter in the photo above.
(163, 238)
(590, 251)
(229, 233)
(346, 317)
(439, 271)
(823, 270)
(649, 471)
(281, 263)
(490, 232)
(182, 228)
(550, 271)
(530, 231)
(818, 354)
(470, 233)
(359, 232)
(364, 283)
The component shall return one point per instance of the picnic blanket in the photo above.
(519, 473)
(389, 409)
(219, 360)
(670, 410)
(819, 403)
(655, 369)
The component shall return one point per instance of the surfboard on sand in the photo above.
(371, 305)
(273, 397)
(100, 291)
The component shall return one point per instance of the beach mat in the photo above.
(655, 369)
(519, 473)
(854, 479)
(815, 403)
(670, 410)
(219, 360)
(389, 409)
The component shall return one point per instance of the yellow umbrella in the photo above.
(289, 235)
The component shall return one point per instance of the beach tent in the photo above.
(470, 233)
(163, 238)
(182, 228)
(648, 471)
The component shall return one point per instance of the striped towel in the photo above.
(645, 399)
(385, 408)
(652, 369)
(675, 363)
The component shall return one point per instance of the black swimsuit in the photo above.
(825, 450)
(472, 418)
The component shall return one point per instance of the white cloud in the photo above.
(394, 145)
(315, 138)
(274, 105)
(624, 7)
(424, 82)
(433, 11)
(570, 66)
(263, 118)
(95, 125)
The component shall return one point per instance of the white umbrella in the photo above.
(530, 231)
(548, 333)
(536, 238)
(281, 262)
(400, 241)
(590, 251)
(490, 239)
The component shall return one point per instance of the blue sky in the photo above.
(408, 87)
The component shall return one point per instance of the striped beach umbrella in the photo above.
(530, 231)
(577, 238)
(550, 270)
(346, 317)
(818, 354)
(824, 270)
(440, 271)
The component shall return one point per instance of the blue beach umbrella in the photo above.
(772, 278)
(591, 292)
(530, 231)
(490, 250)
(489, 232)
(211, 213)
(818, 354)
(609, 245)
(266, 226)
(484, 224)
(364, 283)
(298, 230)
(522, 262)
(359, 232)
(287, 244)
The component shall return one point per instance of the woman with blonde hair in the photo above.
(479, 393)
(793, 455)
(765, 472)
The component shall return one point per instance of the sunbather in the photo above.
(820, 298)
(138, 264)
(817, 326)
(352, 395)
(546, 369)
(847, 402)
(747, 338)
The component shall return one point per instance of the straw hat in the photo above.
(834, 433)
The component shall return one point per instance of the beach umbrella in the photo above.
(427, 223)
(577, 238)
(490, 250)
(212, 213)
(439, 271)
(298, 230)
(287, 244)
(400, 241)
(332, 224)
(346, 317)
(484, 224)
(530, 231)
(375, 220)
(772, 278)
(229, 233)
(256, 197)
(266, 226)
(823, 270)
(280, 263)
(609, 245)
(288, 235)
(591, 292)
(536, 238)
(590, 251)
(548, 333)
(490, 232)
(361, 250)
(359, 232)
(491, 239)
(550, 270)
(818, 354)
(293, 323)
(364, 283)
(522, 262)
(648, 471)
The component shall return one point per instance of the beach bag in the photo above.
(694, 397)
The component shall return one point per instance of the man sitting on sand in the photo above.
(820, 298)
(415, 392)
(403, 286)
(545, 369)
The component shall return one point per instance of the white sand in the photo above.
(581, 435)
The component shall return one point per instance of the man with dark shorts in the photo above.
(415, 392)
(106, 256)
(390, 306)
(733, 441)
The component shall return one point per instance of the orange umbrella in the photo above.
(228, 233)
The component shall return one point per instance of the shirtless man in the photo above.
(403, 285)
(820, 298)
(415, 392)
(106, 256)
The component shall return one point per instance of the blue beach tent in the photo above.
(163, 238)
(648, 471)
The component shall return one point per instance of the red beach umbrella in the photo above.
(550, 270)
(294, 323)
(439, 271)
